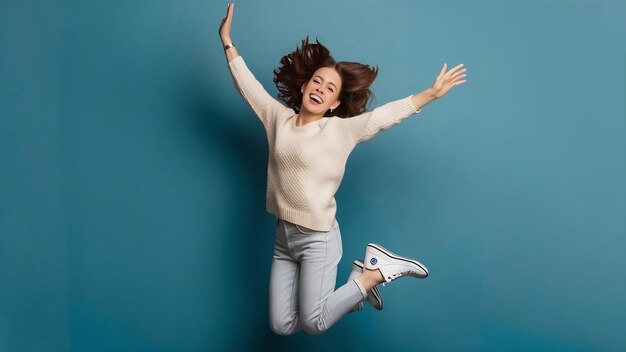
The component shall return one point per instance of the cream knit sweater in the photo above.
(307, 163)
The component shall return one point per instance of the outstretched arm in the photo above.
(367, 125)
(264, 105)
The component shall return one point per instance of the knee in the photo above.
(282, 328)
(313, 327)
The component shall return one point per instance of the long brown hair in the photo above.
(299, 65)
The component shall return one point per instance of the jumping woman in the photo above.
(310, 139)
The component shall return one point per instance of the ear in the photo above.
(302, 88)
(336, 104)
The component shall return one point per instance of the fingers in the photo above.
(229, 9)
(455, 74)
(453, 70)
(229, 13)
(227, 21)
(450, 78)
(459, 74)
(443, 69)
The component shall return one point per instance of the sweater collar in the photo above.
(294, 119)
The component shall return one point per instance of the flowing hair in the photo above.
(299, 65)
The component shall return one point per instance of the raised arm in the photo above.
(367, 125)
(264, 105)
(231, 51)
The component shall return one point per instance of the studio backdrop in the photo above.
(133, 175)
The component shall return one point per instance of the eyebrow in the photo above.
(328, 82)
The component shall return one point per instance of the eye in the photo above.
(317, 82)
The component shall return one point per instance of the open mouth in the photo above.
(314, 99)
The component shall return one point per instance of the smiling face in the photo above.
(325, 84)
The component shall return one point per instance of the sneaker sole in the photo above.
(374, 291)
(395, 256)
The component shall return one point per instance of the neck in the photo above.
(305, 116)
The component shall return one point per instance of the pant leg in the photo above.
(284, 285)
(356, 272)
(321, 306)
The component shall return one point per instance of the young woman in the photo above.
(310, 139)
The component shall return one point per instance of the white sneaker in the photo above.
(391, 265)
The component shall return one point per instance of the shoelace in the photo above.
(399, 274)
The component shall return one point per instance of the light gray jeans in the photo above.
(302, 292)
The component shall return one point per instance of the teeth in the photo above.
(317, 98)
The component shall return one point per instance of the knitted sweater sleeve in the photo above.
(262, 103)
(367, 125)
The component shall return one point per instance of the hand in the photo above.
(445, 81)
(226, 22)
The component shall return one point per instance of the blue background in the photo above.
(132, 175)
